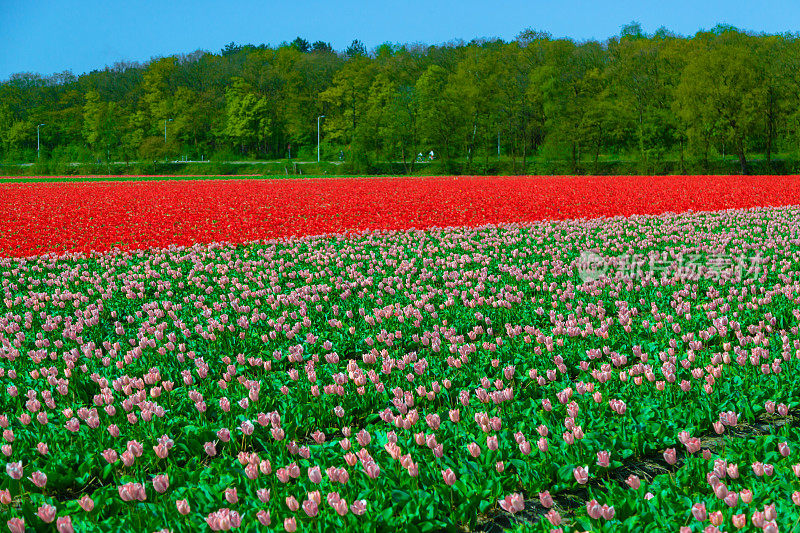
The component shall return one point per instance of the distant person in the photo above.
(341, 155)
(431, 155)
(420, 157)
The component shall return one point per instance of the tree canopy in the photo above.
(634, 95)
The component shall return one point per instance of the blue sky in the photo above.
(81, 35)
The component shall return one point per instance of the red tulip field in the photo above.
(401, 354)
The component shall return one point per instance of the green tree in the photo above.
(718, 92)
(100, 125)
(247, 119)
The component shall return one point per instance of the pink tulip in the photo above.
(757, 519)
(525, 447)
(16, 525)
(290, 524)
(231, 496)
(554, 517)
(581, 474)
(693, 445)
(699, 511)
(542, 444)
(183, 507)
(449, 477)
(358, 507)
(739, 520)
(86, 503)
(210, 449)
(363, 438)
(5, 497)
(670, 456)
(474, 449)
(292, 503)
(340, 506)
(603, 459)
(746, 495)
(733, 470)
(491, 442)
(499, 467)
(314, 474)
(161, 451)
(796, 497)
(263, 517)
(769, 512)
(39, 479)
(731, 499)
(608, 512)
(513, 503)
(372, 469)
(716, 518)
(594, 509)
(14, 470)
(311, 508)
(633, 482)
(128, 458)
(161, 483)
(758, 468)
(47, 513)
(64, 524)
(545, 499)
(771, 527)
(784, 449)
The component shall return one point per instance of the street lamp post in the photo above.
(165, 129)
(319, 117)
(37, 141)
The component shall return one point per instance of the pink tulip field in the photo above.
(613, 374)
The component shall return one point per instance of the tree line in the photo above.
(641, 96)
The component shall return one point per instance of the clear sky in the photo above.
(47, 36)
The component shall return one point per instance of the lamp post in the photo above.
(165, 129)
(37, 141)
(319, 117)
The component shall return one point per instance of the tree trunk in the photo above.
(597, 147)
(742, 158)
(574, 156)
